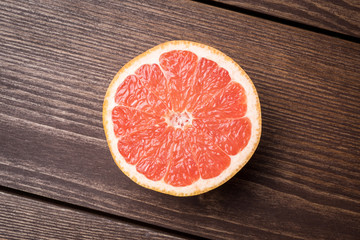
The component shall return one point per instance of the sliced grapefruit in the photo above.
(181, 118)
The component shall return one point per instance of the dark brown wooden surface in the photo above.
(57, 59)
(26, 218)
(342, 16)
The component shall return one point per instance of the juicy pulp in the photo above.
(180, 120)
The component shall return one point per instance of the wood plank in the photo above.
(25, 217)
(57, 59)
(342, 16)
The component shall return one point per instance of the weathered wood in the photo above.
(336, 15)
(28, 218)
(57, 59)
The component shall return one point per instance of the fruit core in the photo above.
(179, 120)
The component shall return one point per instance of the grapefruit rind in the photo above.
(236, 73)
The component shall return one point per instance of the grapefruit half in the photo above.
(182, 118)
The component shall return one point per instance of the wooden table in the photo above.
(58, 179)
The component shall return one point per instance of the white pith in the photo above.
(236, 74)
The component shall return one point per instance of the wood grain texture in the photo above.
(27, 218)
(57, 59)
(342, 16)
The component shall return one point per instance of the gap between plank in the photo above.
(114, 217)
(280, 20)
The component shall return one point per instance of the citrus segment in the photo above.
(183, 169)
(153, 164)
(181, 118)
(153, 79)
(209, 79)
(133, 94)
(211, 160)
(127, 120)
(179, 67)
(231, 135)
(229, 102)
(136, 145)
